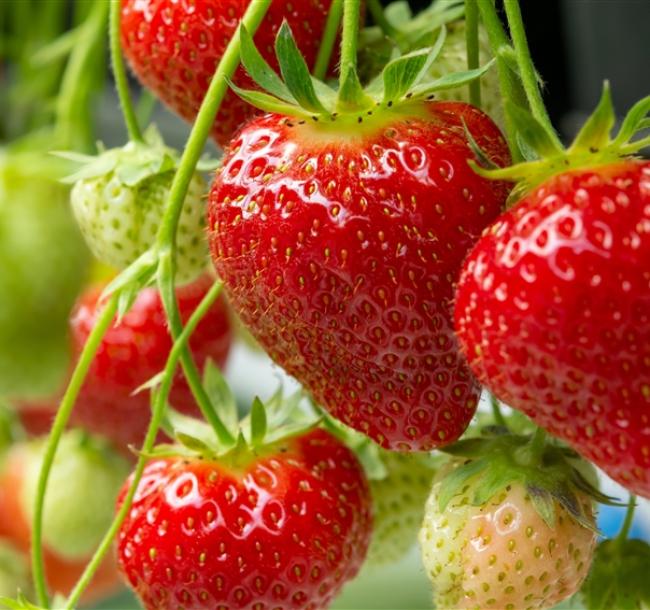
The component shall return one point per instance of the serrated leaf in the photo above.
(454, 482)
(221, 397)
(544, 504)
(532, 131)
(260, 71)
(257, 422)
(594, 134)
(295, 71)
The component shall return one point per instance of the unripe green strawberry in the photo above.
(43, 263)
(502, 554)
(118, 200)
(398, 502)
(14, 570)
(84, 482)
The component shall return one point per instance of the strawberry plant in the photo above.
(389, 248)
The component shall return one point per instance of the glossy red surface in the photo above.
(286, 530)
(340, 254)
(135, 350)
(553, 312)
(174, 48)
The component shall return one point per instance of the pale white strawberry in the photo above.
(118, 200)
(83, 485)
(502, 554)
(398, 505)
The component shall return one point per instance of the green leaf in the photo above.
(221, 397)
(594, 134)
(268, 103)
(260, 71)
(257, 422)
(295, 71)
(532, 131)
(492, 481)
(401, 74)
(634, 121)
(454, 483)
(451, 81)
(186, 427)
(150, 384)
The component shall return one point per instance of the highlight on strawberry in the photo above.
(458, 301)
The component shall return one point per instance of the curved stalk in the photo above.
(329, 38)
(472, 43)
(58, 426)
(629, 518)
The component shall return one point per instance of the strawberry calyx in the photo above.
(130, 164)
(593, 146)
(266, 424)
(551, 473)
(400, 89)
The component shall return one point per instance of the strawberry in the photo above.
(118, 199)
(281, 526)
(553, 304)
(43, 261)
(510, 526)
(398, 501)
(74, 521)
(135, 350)
(15, 527)
(174, 48)
(339, 241)
(502, 554)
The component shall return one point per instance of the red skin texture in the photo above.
(553, 312)
(174, 49)
(285, 531)
(61, 574)
(344, 269)
(134, 351)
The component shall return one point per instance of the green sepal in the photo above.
(531, 131)
(22, 603)
(260, 71)
(269, 103)
(619, 576)
(451, 81)
(351, 95)
(455, 482)
(543, 502)
(635, 120)
(257, 423)
(151, 384)
(594, 134)
(401, 74)
(294, 70)
(221, 397)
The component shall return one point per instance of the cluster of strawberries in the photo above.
(361, 237)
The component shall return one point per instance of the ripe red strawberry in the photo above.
(502, 555)
(174, 48)
(284, 527)
(553, 312)
(135, 350)
(339, 242)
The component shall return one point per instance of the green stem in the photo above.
(160, 402)
(168, 297)
(499, 420)
(119, 72)
(471, 39)
(379, 17)
(509, 85)
(526, 67)
(76, 85)
(537, 445)
(351, 95)
(145, 107)
(328, 40)
(58, 426)
(629, 518)
(203, 124)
